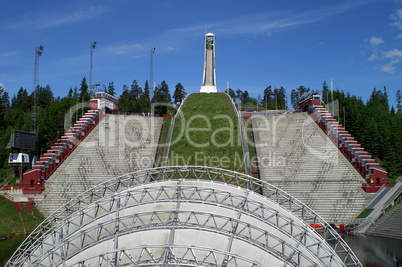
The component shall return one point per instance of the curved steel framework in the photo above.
(184, 216)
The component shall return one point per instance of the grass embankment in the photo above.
(207, 133)
(17, 222)
(365, 213)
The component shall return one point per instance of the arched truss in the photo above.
(184, 216)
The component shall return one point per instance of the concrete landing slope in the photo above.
(295, 154)
(118, 145)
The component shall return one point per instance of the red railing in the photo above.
(33, 179)
(366, 166)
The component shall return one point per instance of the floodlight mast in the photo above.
(91, 85)
(151, 71)
(38, 52)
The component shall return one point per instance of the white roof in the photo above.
(181, 221)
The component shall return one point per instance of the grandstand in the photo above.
(389, 225)
(297, 156)
(118, 145)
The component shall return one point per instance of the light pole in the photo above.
(38, 52)
(151, 71)
(91, 86)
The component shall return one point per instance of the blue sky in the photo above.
(258, 43)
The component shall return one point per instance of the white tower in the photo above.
(209, 78)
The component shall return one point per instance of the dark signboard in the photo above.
(22, 140)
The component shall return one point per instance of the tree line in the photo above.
(272, 98)
(375, 124)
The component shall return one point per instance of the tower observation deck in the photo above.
(209, 77)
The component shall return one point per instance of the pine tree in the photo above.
(110, 89)
(239, 94)
(325, 92)
(161, 97)
(4, 104)
(70, 93)
(84, 94)
(298, 94)
(44, 96)
(280, 98)
(146, 89)
(232, 94)
(136, 90)
(399, 102)
(124, 100)
(269, 101)
(76, 94)
(245, 97)
(179, 93)
(23, 101)
(144, 103)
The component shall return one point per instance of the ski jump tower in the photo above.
(209, 78)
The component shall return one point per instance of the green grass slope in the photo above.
(17, 222)
(206, 133)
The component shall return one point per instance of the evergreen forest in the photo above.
(376, 124)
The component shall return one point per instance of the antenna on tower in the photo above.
(38, 52)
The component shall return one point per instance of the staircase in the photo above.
(296, 155)
(118, 145)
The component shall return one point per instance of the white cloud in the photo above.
(394, 53)
(390, 67)
(7, 54)
(265, 23)
(375, 41)
(393, 56)
(397, 19)
(57, 18)
(122, 49)
(373, 57)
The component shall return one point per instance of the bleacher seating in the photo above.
(369, 169)
(33, 179)
(389, 225)
(297, 156)
(118, 145)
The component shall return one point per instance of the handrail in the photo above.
(380, 207)
(320, 116)
(397, 191)
(233, 104)
(246, 152)
(165, 157)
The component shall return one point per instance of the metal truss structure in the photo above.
(184, 216)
